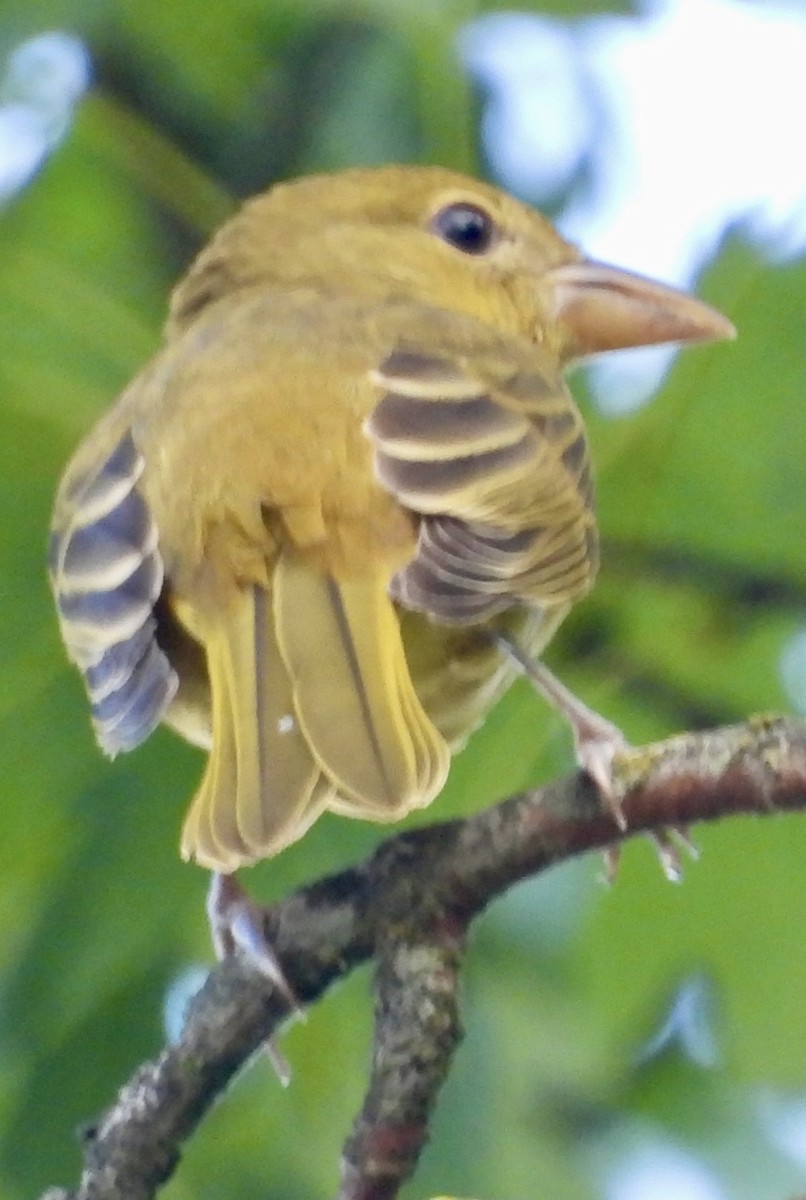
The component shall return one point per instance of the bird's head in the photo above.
(435, 236)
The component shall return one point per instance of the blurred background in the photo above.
(637, 1043)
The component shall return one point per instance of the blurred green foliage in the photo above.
(703, 505)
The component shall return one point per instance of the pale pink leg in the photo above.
(596, 740)
(236, 923)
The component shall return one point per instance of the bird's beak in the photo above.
(604, 308)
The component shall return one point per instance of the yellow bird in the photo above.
(352, 480)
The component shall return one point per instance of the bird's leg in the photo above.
(597, 741)
(236, 923)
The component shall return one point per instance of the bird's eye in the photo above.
(465, 226)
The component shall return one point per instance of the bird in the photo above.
(322, 531)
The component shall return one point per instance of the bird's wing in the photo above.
(106, 572)
(493, 455)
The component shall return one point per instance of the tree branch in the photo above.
(409, 906)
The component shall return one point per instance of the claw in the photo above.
(669, 855)
(682, 835)
(668, 844)
(236, 923)
(611, 857)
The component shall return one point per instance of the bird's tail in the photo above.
(313, 708)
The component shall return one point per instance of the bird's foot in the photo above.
(668, 844)
(597, 744)
(236, 923)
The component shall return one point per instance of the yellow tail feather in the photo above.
(340, 640)
(262, 787)
(313, 708)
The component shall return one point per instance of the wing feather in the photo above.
(495, 460)
(107, 574)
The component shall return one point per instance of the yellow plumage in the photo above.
(353, 457)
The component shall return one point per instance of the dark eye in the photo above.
(468, 228)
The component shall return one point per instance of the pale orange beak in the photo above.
(604, 308)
